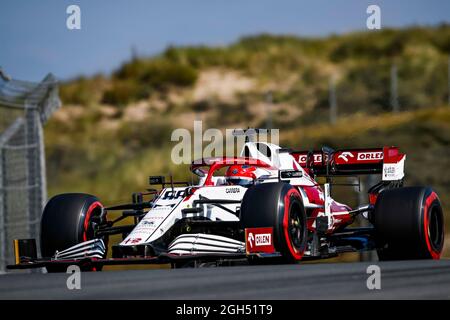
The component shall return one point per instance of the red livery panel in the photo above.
(259, 240)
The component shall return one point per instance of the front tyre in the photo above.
(69, 219)
(280, 206)
(409, 224)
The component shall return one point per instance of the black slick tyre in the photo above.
(409, 224)
(68, 219)
(279, 206)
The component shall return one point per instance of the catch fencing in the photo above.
(24, 109)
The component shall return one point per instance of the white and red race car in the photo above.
(283, 214)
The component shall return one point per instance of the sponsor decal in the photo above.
(393, 171)
(155, 217)
(345, 155)
(263, 239)
(259, 240)
(146, 226)
(171, 195)
(133, 241)
(370, 156)
(317, 158)
(232, 190)
(251, 239)
(389, 171)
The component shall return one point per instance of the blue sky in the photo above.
(34, 39)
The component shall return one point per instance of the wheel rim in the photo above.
(435, 228)
(295, 227)
(91, 220)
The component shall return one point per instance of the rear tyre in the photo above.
(280, 206)
(69, 219)
(409, 224)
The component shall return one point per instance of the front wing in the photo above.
(348, 240)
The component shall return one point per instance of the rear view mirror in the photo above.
(199, 172)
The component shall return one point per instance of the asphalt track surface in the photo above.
(399, 280)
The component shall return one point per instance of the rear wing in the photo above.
(387, 160)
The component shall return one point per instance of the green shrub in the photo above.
(197, 57)
(139, 78)
(161, 74)
(82, 91)
(376, 45)
(157, 73)
(122, 92)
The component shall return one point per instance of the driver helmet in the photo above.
(242, 175)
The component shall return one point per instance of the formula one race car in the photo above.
(263, 206)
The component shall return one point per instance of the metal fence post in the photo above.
(5, 137)
(24, 108)
(2, 217)
(448, 81)
(43, 175)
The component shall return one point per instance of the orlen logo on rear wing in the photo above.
(385, 160)
(369, 156)
(259, 240)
